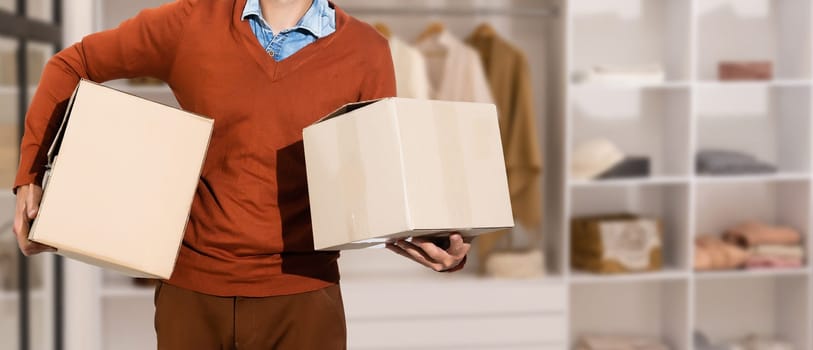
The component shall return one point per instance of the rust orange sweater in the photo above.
(249, 233)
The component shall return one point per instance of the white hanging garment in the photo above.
(410, 70)
(455, 70)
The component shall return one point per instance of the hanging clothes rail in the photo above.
(550, 11)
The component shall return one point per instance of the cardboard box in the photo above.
(123, 175)
(395, 168)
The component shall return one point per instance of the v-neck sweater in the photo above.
(249, 232)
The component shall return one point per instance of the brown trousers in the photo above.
(188, 320)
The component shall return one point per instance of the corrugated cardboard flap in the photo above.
(349, 108)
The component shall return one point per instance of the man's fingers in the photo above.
(458, 247)
(448, 258)
(412, 252)
(430, 248)
(36, 248)
(19, 210)
(27, 196)
(21, 232)
(20, 213)
(456, 238)
(400, 251)
(33, 201)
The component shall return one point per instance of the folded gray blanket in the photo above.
(724, 162)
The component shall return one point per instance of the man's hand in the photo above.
(429, 254)
(28, 204)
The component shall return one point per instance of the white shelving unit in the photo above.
(670, 122)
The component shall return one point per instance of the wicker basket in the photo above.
(619, 243)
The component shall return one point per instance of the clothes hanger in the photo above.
(484, 30)
(433, 29)
(383, 29)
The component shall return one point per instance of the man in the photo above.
(247, 276)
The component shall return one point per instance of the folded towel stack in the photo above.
(751, 245)
(722, 162)
(598, 342)
(768, 246)
(712, 253)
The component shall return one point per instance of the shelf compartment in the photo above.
(720, 206)
(670, 203)
(623, 32)
(772, 124)
(730, 309)
(656, 309)
(774, 30)
(651, 123)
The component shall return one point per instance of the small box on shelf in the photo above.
(745, 70)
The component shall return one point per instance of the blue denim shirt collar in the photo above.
(318, 20)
